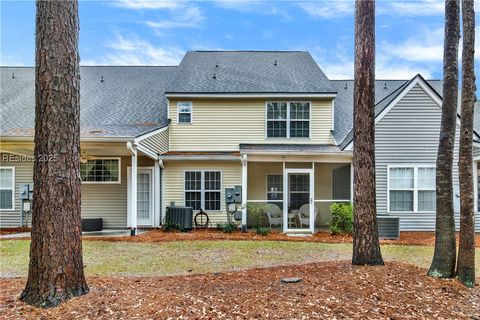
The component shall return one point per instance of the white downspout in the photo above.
(244, 191)
(156, 188)
(133, 196)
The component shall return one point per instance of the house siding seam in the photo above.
(158, 143)
(222, 124)
(408, 134)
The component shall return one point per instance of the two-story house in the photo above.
(268, 121)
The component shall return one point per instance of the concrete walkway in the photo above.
(103, 233)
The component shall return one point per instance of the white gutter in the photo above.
(250, 95)
(200, 157)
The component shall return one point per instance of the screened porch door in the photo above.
(298, 209)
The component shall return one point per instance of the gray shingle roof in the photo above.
(129, 102)
(249, 72)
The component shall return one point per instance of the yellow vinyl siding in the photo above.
(173, 186)
(157, 143)
(222, 124)
(99, 200)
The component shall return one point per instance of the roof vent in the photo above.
(275, 63)
(101, 80)
(385, 85)
(13, 75)
(216, 66)
(214, 76)
(346, 85)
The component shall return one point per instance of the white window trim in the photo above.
(202, 190)
(12, 188)
(415, 188)
(266, 186)
(288, 120)
(108, 182)
(178, 112)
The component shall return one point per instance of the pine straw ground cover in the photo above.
(406, 238)
(328, 290)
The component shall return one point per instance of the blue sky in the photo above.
(409, 34)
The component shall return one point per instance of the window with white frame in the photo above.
(288, 119)
(274, 187)
(184, 110)
(203, 189)
(411, 189)
(104, 170)
(7, 188)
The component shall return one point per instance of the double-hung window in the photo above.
(184, 110)
(7, 188)
(104, 170)
(275, 188)
(288, 119)
(411, 189)
(203, 190)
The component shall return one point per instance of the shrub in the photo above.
(262, 231)
(169, 226)
(342, 218)
(256, 214)
(227, 227)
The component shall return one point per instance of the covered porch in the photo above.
(293, 192)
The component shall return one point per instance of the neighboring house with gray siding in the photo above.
(268, 121)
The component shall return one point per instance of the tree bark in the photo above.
(56, 267)
(443, 264)
(466, 250)
(366, 247)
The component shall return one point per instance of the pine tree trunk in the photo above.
(56, 267)
(366, 247)
(443, 264)
(466, 250)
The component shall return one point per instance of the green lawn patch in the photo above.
(184, 257)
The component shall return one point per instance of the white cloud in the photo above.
(147, 4)
(135, 51)
(425, 46)
(329, 9)
(415, 8)
(188, 17)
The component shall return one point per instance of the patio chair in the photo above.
(304, 214)
(274, 214)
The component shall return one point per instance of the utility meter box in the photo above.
(26, 191)
(233, 195)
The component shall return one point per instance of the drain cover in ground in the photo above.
(291, 280)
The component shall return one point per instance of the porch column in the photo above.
(133, 191)
(156, 195)
(475, 186)
(351, 182)
(244, 191)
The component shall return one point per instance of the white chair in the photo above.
(304, 214)
(274, 214)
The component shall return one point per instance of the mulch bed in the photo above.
(4, 231)
(327, 290)
(406, 238)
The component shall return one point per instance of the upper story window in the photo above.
(100, 171)
(288, 119)
(7, 188)
(411, 189)
(184, 110)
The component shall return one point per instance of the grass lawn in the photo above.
(104, 258)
